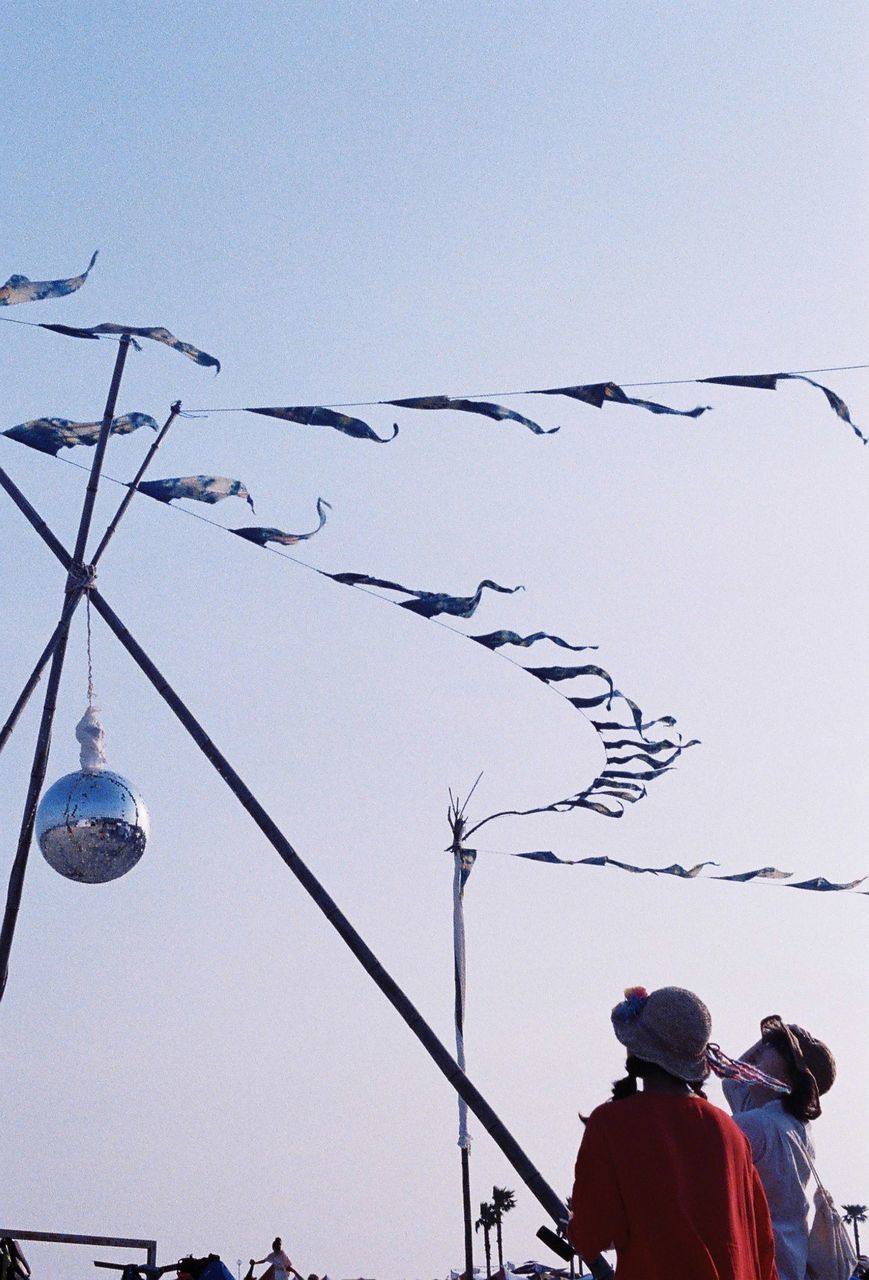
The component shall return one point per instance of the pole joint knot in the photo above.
(82, 577)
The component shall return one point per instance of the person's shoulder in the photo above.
(611, 1116)
(627, 1113)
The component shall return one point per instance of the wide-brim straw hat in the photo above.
(812, 1065)
(670, 1027)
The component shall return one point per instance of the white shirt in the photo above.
(281, 1264)
(783, 1171)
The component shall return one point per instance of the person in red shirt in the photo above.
(663, 1176)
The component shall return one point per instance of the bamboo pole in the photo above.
(43, 741)
(36, 674)
(74, 597)
(133, 486)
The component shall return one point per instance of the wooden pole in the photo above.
(75, 574)
(74, 597)
(55, 1237)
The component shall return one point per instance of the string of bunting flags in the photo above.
(817, 884)
(636, 750)
(632, 756)
(19, 289)
(632, 734)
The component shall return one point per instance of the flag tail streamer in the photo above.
(20, 289)
(261, 535)
(49, 435)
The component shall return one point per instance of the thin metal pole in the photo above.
(43, 741)
(74, 596)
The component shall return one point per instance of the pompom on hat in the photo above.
(669, 1027)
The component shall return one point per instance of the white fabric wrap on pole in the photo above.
(90, 734)
(459, 960)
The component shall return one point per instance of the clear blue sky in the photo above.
(351, 202)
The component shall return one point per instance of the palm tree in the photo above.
(487, 1221)
(503, 1200)
(855, 1213)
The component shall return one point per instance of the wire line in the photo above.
(324, 574)
(506, 395)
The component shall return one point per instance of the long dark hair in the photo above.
(639, 1068)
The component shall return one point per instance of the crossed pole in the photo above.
(81, 579)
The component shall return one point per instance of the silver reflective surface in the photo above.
(92, 826)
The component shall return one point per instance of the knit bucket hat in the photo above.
(812, 1065)
(670, 1028)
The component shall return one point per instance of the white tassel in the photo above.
(91, 735)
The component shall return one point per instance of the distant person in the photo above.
(777, 1126)
(663, 1176)
(280, 1267)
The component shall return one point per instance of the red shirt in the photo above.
(669, 1181)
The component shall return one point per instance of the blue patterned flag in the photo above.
(769, 382)
(496, 639)
(20, 289)
(820, 884)
(426, 603)
(154, 334)
(601, 393)
(201, 488)
(496, 411)
(317, 416)
(48, 435)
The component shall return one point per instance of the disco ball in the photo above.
(92, 826)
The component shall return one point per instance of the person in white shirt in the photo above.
(280, 1266)
(778, 1128)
